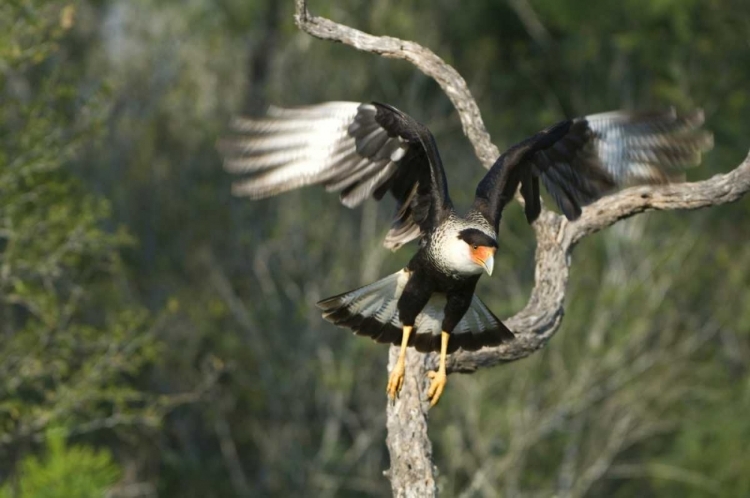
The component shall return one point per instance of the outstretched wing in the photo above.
(359, 150)
(580, 160)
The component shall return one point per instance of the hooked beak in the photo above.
(489, 264)
(485, 257)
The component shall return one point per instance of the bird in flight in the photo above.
(364, 150)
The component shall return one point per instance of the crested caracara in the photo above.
(370, 150)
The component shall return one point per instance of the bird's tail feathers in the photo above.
(372, 310)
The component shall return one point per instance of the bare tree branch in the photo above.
(412, 472)
(720, 189)
(556, 238)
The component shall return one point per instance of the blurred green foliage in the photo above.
(128, 274)
(64, 472)
(75, 343)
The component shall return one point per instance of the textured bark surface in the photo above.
(412, 472)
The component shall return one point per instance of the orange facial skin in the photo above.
(481, 254)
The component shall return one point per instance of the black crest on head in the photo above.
(475, 237)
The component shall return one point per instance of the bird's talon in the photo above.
(439, 379)
(395, 381)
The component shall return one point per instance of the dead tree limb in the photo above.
(412, 472)
(556, 238)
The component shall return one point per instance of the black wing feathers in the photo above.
(359, 150)
(572, 183)
(367, 150)
(499, 185)
(580, 160)
(419, 186)
(530, 193)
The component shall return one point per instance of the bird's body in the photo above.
(368, 150)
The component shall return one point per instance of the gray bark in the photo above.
(412, 472)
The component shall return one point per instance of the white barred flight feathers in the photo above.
(372, 149)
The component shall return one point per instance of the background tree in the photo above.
(74, 343)
(659, 300)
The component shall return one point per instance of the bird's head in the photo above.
(480, 248)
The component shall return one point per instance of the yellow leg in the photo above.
(439, 378)
(396, 380)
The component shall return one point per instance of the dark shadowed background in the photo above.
(159, 338)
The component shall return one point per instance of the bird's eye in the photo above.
(475, 247)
